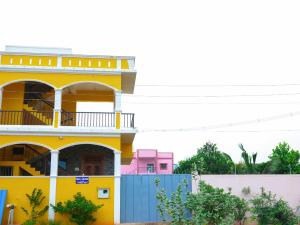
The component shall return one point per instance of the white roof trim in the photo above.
(31, 49)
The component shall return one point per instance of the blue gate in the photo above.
(3, 194)
(138, 195)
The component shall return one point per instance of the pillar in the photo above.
(117, 194)
(57, 108)
(1, 97)
(118, 108)
(53, 178)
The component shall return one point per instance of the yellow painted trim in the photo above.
(60, 142)
(56, 119)
(118, 120)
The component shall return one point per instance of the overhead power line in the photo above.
(215, 96)
(226, 125)
(216, 85)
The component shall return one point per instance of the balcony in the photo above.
(68, 119)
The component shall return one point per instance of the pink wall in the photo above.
(143, 157)
(284, 186)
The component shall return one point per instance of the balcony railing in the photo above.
(26, 118)
(127, 120)
(75, 119)
(88, 119)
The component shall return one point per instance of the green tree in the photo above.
(284, 160)
(80, 210)
(36, 211)
(208, 160)
(249, 160)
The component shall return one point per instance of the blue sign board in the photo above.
(82, 180)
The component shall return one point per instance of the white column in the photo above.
(53, 177)
(119, 64)
(117, 194)
(59, 61)
(57, 104)
(1, 97)
(118, 105)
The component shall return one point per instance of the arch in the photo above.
(89, 82)
(115, 151)
(24, 80)
(27, 143)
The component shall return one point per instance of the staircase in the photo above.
(28, 168)
(40, 163)
(43, 117)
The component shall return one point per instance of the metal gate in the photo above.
(138, 195)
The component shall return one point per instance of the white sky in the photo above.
(184, 42)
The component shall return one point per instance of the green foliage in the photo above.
(249, 160)
(214, 206)
(79, 209)
(174, 207)
(268, 210)
(30, 222)
(36, 210)
(51, 222)
(208, 160)
(284, 160)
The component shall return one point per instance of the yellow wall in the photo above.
(26, 59)
(13, 97)
(17, 188)
(105, 215)
(89, 62)
(54, 142)
(59, 80)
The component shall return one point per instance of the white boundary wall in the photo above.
(286, 187)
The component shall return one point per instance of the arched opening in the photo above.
(24, 159)
(88, 105)
(87, 160)
(27, 103)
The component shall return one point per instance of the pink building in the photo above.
(149, 161)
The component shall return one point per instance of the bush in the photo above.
(51, 222)
(174, 207)
(268, 210)
(35, 200)
(214, 206)
(79, 209)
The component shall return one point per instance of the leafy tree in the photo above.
(79, 209)
(249, 160)
(208, 160)
(35, 201)
(284, 160)
(268, 210)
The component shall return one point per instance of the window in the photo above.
(18, 151)
(150, 168)
(6, 171)
(163, 166)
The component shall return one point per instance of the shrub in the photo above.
(35, 201)
(175, 206)
(80, 210)
(51, 222)
(268, 210)
(214, 206)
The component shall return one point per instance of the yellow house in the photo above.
(49, 142)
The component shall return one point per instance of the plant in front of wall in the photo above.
(36, 210)
(174, 206)
(50, 222)
(80, 210)
(214, 206)
(267, 210)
